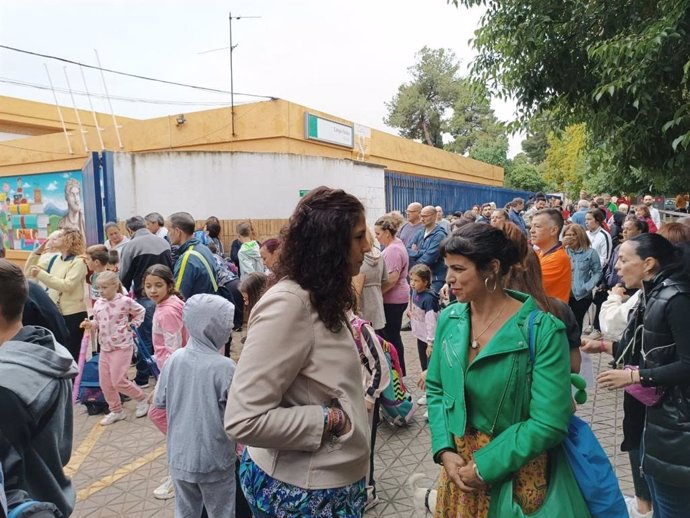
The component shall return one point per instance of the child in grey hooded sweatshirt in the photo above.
(193, 389)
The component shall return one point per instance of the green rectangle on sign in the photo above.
(312, 131)
(303, 192)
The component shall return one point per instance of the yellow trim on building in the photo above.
(264, 127)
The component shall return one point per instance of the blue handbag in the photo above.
(588, 461)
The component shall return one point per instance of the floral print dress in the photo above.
(284, 500)
(529, 484)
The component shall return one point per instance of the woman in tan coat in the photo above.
(296, 396)
(64, 275)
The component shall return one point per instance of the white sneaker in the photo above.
(372, 499)
(142, 409)
(113, 417)
(165, 491)
(633, 511)
(421, 401)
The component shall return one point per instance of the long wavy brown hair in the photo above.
(316, 251)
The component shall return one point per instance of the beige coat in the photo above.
(65, 282)
(291, 366)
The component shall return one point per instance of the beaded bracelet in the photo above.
(325, 418)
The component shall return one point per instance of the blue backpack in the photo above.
(90, 393)
(587, 459)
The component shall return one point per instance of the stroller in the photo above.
(144, 353)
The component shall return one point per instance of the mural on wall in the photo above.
(33, 206)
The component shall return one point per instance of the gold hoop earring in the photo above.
(486, 284)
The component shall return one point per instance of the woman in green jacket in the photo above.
(488, 422)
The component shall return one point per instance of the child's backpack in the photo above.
(397, 405)
(90, 393)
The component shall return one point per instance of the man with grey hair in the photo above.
(579, 216)
(425, 249)
(143, 250)
(156, 225)
(445, 224)
(409, 230)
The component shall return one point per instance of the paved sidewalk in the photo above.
(116, 468)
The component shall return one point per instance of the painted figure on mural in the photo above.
(75, 214)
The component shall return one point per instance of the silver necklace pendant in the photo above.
(474, 344)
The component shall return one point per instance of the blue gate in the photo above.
(403, 189)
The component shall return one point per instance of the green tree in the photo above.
(565, 166)
(492, 150)
(521, 173)
(536, 142)
(620, 66)
(437, 102)
(473, 118)
(419, 107)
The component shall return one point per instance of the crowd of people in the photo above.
(493, 296)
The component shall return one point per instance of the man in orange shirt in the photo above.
(556, 270)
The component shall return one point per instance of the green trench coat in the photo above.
(490, 394)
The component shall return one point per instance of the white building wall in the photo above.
(236, 185)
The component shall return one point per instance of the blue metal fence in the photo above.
(403, 189)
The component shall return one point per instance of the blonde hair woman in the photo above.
(64, 276)
(586, 268)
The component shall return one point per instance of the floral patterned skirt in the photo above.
(284, 500)
(529, 484)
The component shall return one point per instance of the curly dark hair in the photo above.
(315, 251)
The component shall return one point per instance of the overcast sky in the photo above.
(344, 58)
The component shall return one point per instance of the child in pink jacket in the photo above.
(113, 316)
(168, 333)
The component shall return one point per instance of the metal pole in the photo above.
(62, 120)
(93, 112)
(110, 104)
(76, 112)
(232, 85)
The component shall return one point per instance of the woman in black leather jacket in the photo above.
(656, 352)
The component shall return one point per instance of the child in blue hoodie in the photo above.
(201, 457)
(423, 311)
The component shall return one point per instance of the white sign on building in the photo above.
(324, 130)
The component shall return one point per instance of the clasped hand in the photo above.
(460, 472)
(615, 379)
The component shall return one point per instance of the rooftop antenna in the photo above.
(82, 131)
(62, 120)
(232, 85)
(232, 82)
(110, 104)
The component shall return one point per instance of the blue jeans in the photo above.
(668, 501)
(145, 329)
(640, 484)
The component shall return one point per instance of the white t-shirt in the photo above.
(601, 243)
